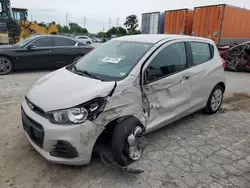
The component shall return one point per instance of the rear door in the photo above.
(202, 63)
(65, 51)
(38, 57)
(166, 85)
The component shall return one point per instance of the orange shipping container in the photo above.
(178, 21)
(225, 24)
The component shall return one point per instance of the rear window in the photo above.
(201, 52)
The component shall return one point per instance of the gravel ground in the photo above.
(197, 151)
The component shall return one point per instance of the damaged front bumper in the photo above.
(62, 144)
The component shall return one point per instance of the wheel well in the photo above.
(13, 63)
(222, 85)
(106, 136)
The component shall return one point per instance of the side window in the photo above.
(168, 61)
(63, 42)
(83, 38)
(43, 42)
(201, 52)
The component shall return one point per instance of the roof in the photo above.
(49, 35)
(154, 38)
(13, 8)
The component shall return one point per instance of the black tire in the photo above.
(88, 42)
(11, 66)
(119, 140)
(208, 109)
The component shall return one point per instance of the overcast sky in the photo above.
(98, 12)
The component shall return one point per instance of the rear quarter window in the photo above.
(202, 52)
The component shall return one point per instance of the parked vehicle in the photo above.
(238, 57)
(84, 39)
(97, 40)
(178, 21)
(225, 24)
(152, 23)
(40, 52)
(127, 87)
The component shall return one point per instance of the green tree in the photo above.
(101, 35)
(75, 28)
(136, 32)
(131, 23)
(60, 28)
(110, 32)
(65, 29)
(121, 31)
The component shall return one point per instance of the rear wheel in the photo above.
(125, 144)
(88, 42)
(6, 65)
(215, 100)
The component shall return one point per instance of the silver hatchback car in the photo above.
(127, 87)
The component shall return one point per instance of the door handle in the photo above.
(47, 51)
(73, 50)
(186, 77)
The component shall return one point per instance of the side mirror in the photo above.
(31, 46)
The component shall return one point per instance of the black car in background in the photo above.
(41, 52)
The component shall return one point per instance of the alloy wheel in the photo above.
(216, 100)
(5, 66)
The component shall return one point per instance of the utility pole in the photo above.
(31, 17)
(103, 31)
(110, 27)
(109, 23)
(117, 21)
(85, 22)
(66, 19)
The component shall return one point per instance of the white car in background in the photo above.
(84, 39)
(97, 40)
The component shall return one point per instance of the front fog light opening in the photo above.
(77, 115)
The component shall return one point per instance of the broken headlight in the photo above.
(79, 114)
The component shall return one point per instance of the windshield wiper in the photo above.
(90, 75)
(85, 73)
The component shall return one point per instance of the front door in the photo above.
(166, 87)
(37, 57)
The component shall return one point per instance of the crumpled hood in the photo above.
(64, 89)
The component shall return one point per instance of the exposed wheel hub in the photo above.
(135, 151)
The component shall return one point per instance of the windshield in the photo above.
(113, 60)
(22, 42)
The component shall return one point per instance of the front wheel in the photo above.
(6, 65)
(215, 100)
(125, 144)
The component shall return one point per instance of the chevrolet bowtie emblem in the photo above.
(31, 106)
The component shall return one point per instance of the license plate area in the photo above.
(33, 129)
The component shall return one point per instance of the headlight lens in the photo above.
(79, 114)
